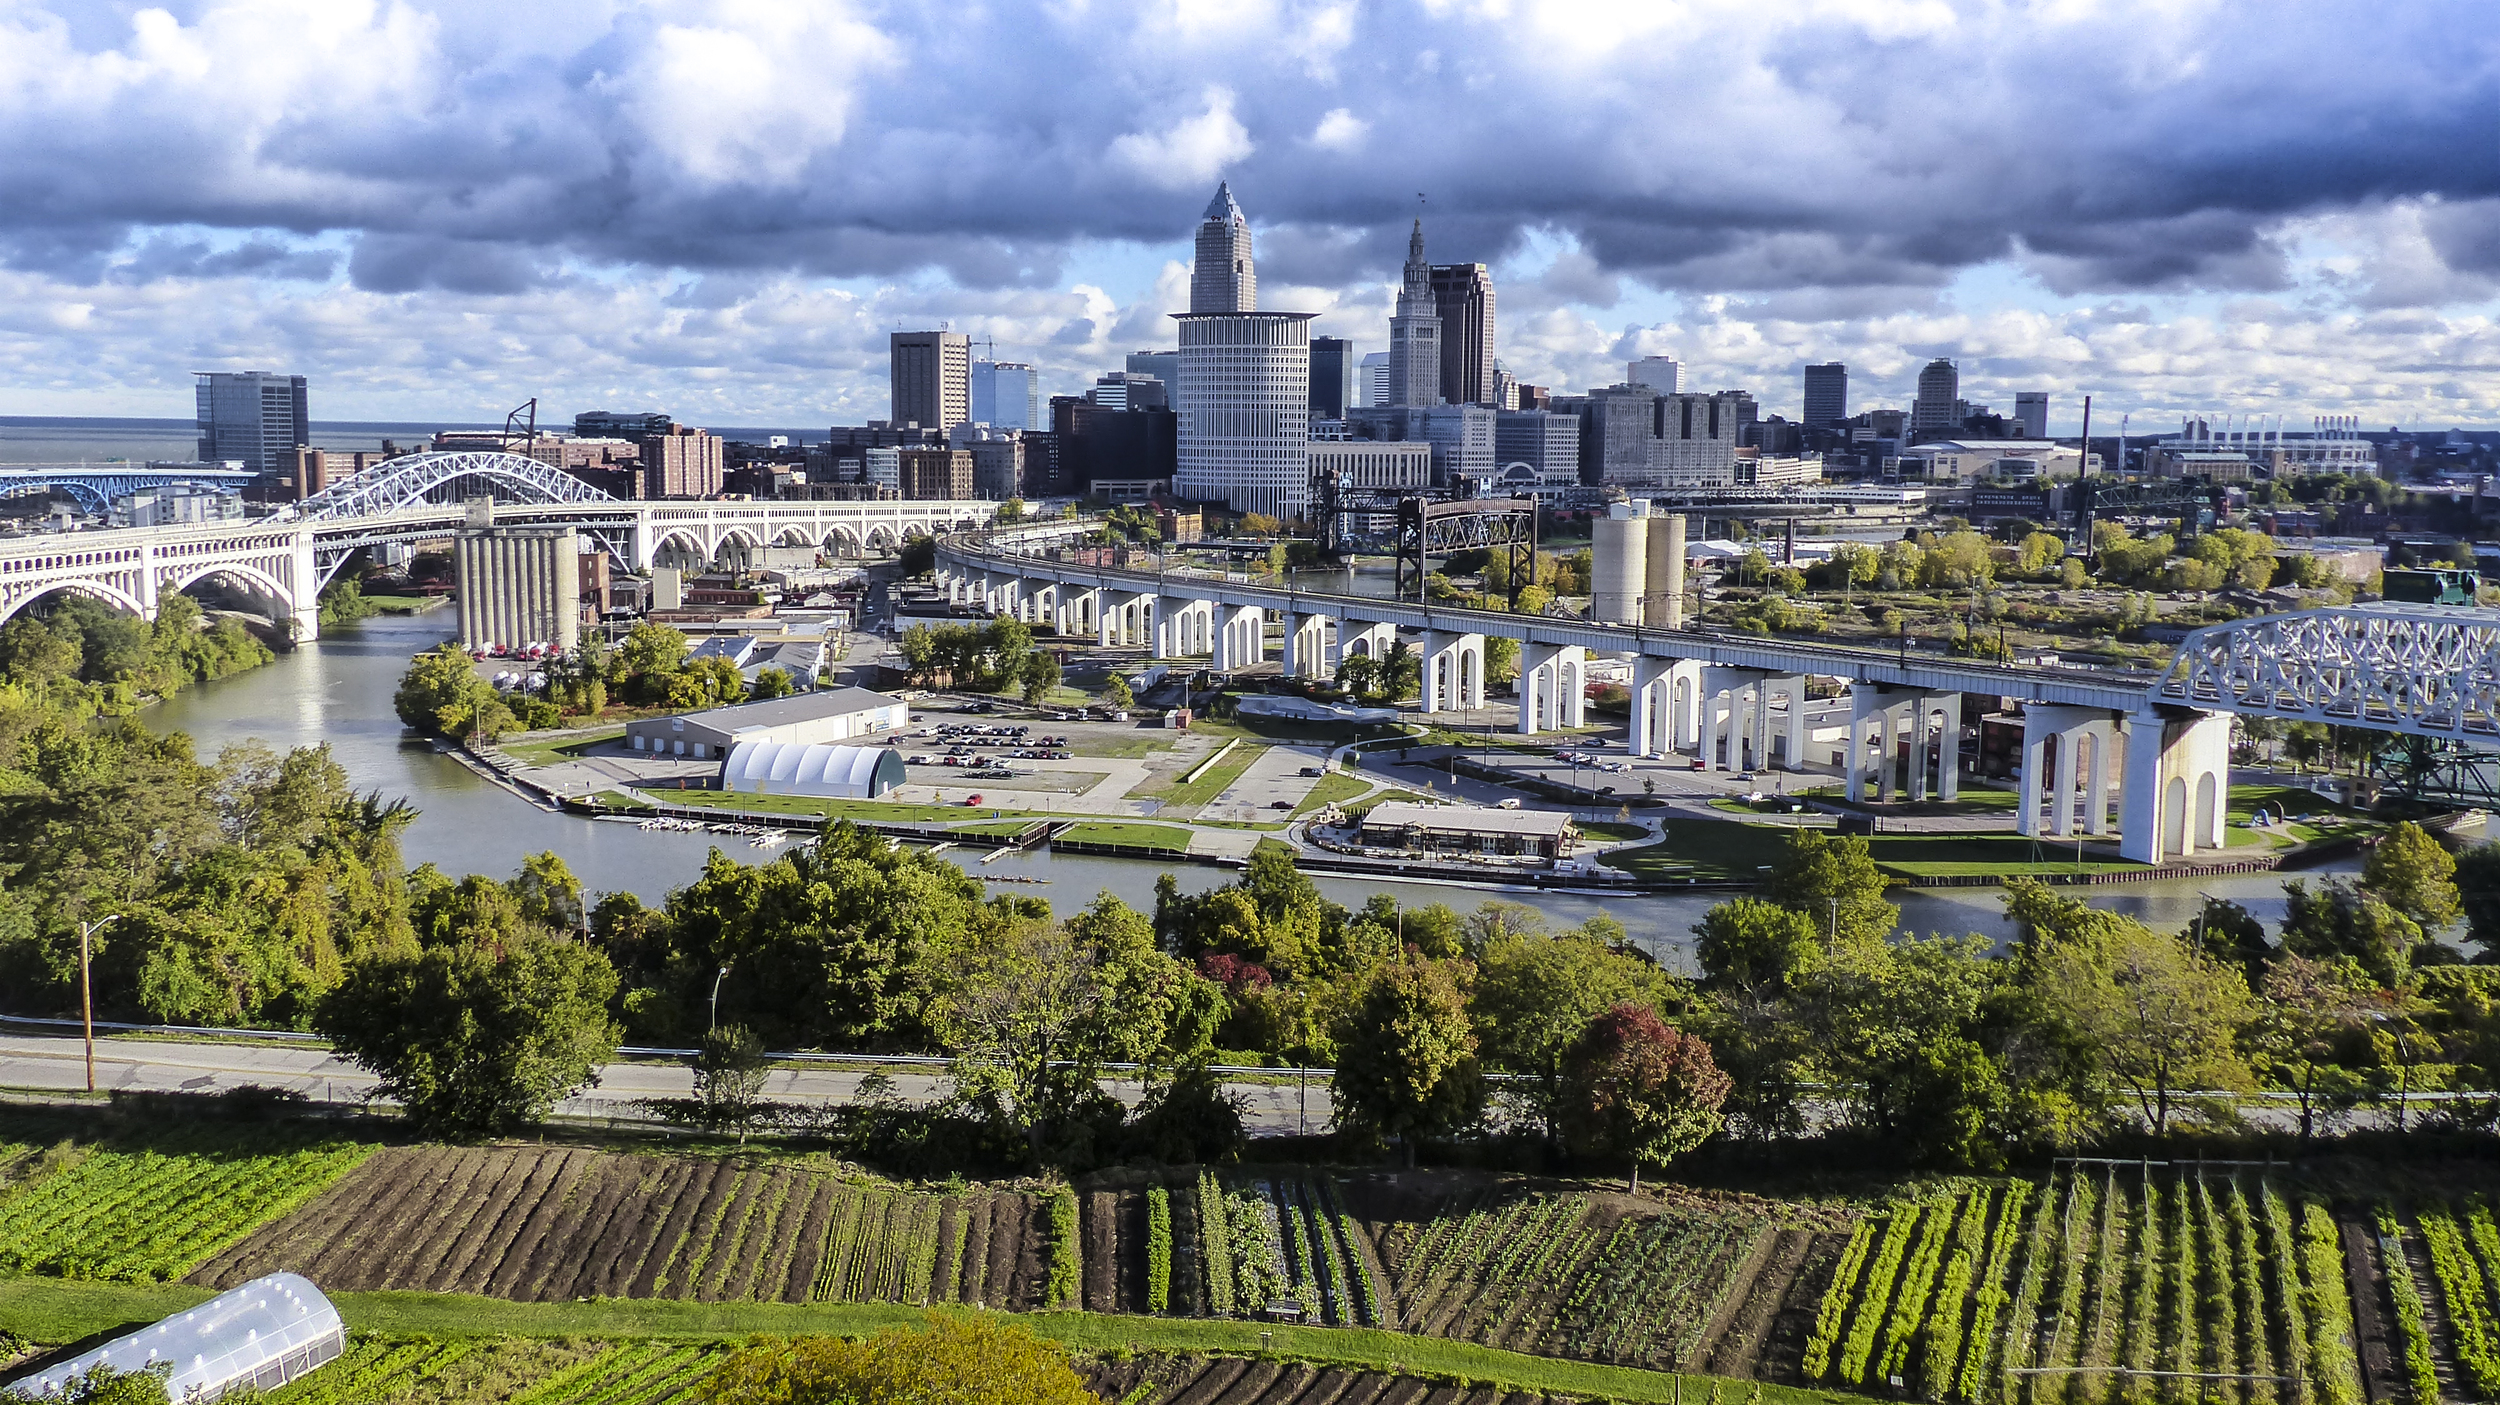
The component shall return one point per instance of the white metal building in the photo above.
(826, 715)
(260, 1336)
(815, 769)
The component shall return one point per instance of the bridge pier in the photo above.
(1662, 696)
(2178, 789)
(1240, 637)
(1552, 688)
(1453, 672)
(1734, 705)
(1362, 637)
(2056, 742)
(1905, 721)
(1306, 646)
(1181, 628)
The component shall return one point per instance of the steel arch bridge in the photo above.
(415, 479)
(2419, 670)
(94, 486)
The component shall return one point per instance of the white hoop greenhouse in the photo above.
(262, 1335)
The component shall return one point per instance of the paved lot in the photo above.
(1271, 787)
(56, 1064)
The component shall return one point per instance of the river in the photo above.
(338, 690)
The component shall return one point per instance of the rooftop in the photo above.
(1460, 819)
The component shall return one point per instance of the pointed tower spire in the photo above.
(1223, 278)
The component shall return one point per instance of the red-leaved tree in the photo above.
(1637, 1087)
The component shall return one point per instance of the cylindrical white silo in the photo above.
(1619, 564)
(1663, 604)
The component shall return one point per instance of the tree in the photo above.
(1835, 883)
(771, 683)
(1039, 674)
(1359, 674)
(2161, 1018)
(2343, 919)
(729, 1072)
(1753, 944)
(978, 1360)
(1115, 692)
(2411, 873)
(472, 1038)
(1406, 1054)
(2312, 1010)
(1012, 510)
(2478, 896)
(1535, 993)
(1501, 659)
(442, 694)
(1259, 524)
(2226, 931)
(1638, 1088)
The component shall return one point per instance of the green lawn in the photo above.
(1211, 782)
(1143, 836)
(550, 750)
(1332, 789)
(1610, 832)
(1145, 742)
(1973, 800)
(617, 800)
(59, 1310)
(1708, 850)
(1985, 855)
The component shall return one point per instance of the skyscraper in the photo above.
(1371, 379)
(2032, 408)
(1164, 366)
(1244, 389)
(1332, 377)
(1827, 395)
(1006, 395)
(932, 379)
(1415, 333)
(1224, 278)
(1939, 385)
(1462, 294)
(253, 417)
(1659, 373)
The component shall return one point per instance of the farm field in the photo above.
(147, 1210)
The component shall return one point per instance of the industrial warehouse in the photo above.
(1450, 829)
(818, 769)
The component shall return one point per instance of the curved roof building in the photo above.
(260, 1336)
(811, 768)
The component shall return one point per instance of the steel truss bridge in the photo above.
(280, 564)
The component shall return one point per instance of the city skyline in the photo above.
(372, 201)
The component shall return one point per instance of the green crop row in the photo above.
(1980, 1354)
(2461, 1289)
(1909, 1309)
(152, 1216)
(2421, 1376)
(1367, 1301)
(1158, 1250)
(1860, 1344)
(1835, 1307)
(1215, 1256)
(2328, 1307)
(1064, 1284)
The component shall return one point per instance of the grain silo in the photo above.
(1662, 601)
(1619, 563)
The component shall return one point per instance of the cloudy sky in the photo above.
(721, 207)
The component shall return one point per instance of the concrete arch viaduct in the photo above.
(2159, 739)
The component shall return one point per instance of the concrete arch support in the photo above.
(2178, 787)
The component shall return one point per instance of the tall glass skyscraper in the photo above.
(253, 417)
(1827, 395)
(1006, 395)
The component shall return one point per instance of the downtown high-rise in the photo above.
(1415, 332)
(1244, 392)
(1462, 297)
(254, 418)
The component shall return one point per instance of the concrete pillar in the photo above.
(1914, 779)
(1707, 704)
(1862, 701)
(2041, 721)
(2139, 825)
(1432, 694)
(2096, 778)
(2062, 808)
(1538, 666)
(1651, 721)
(1760, 759)
(1949, 753)
(1295, 666)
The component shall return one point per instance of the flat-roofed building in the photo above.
(825, 715)
(935, 475)
(1454, 829)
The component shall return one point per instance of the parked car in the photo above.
(972, 800)
(1280, 804)
(1315, 770)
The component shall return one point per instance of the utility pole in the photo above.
(86, 988)
(716, 980)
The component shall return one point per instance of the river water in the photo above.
(338, 690)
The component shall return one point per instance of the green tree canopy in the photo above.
(2161, 1018)
(980, 1360)
(1638, 1088)
(1834, 882)
(1406, 1054)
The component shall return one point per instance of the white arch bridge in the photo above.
(280, 564)
(2144, 755)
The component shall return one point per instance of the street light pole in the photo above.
(716, 980)
(86, 987)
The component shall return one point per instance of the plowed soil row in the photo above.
(539, 1224)
(1230, 1381)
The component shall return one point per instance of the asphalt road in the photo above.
(49, 1063)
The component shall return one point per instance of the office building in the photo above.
(1536, 450)
(1461, 436)
(998, 465)
(1006, 395)
(682, 462)
(1095, 443)
(517, 586)
(935, 475)
(932, 379)
(1935, 411)
(1332, 377)
(1617, 426)
(1164, 366)
(252, 418)
(1127, 390)
(1371, 379)
(1462, 293)
(2031, 409)
(1698, 436)
(1415, 333)
(1244, 388)
(1827, 396)
(1662, 374)
(1223, 277)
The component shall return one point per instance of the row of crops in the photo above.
(2130, 1285)
(2457, 1251)
(422, 1371)
(1281, 1242)
(101, 1210)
